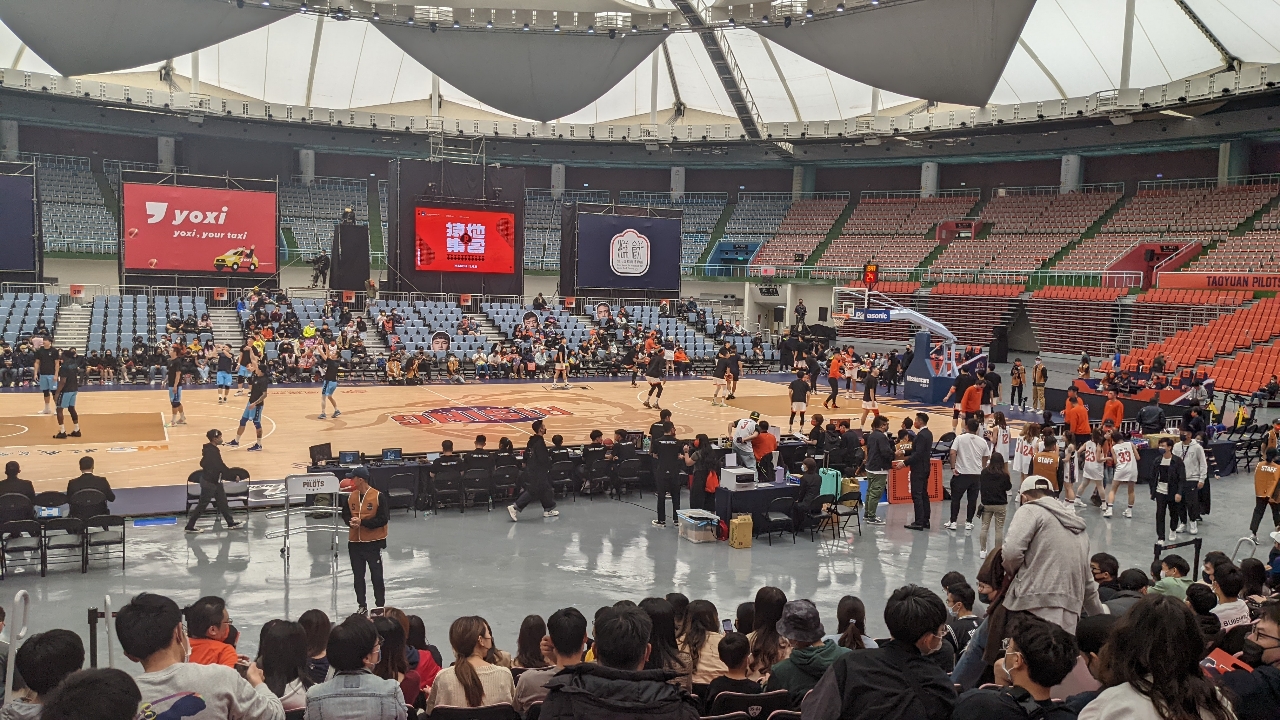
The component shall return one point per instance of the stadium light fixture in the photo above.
(666, 27)
(634, 28)
(526, 27)
(266, 3)
(455, 23)
(489, 24)
(376, 16)
(765, 19)
(732, 23)
(557, 27)
(303, 7)
(840, 7)
(808, 13)
(612, 33)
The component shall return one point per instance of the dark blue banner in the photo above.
(631, 253)
(17, 224)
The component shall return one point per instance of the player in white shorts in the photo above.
(1091, 466)
(1126, 457)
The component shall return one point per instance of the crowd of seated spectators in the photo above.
(962, 653)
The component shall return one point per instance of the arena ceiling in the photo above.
(964, 52)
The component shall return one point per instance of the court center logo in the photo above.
(477, 414)
(629, 253)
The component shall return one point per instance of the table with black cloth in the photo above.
(380, 476)
(752, 500)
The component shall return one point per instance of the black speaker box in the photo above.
(999, 352)
(779, 313)
(350, 255)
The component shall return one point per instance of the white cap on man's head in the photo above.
(1035, 482)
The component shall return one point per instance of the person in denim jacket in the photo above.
(355, 693)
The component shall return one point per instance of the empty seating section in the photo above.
(1246, 372)
(1257, 251)
(509, 316)
(312, 211)
(1206, 213)
(970, 311)
(1026, 230)
(701, 213)
(1270, 220)
(73, 214)
(804, 227)
(1221, 336)
(20, 313)
(422, 320)
(1159, 314)
(542, 224)
(901, 292)
(1075, 320)
(891, 230)
(755, 219)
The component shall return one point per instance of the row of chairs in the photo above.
(56, 539)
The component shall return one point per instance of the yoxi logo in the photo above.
(477, 414)
(156, 212)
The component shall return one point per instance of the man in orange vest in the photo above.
(367, 515)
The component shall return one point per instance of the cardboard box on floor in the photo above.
(740, 531)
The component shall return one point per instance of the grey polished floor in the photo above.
(595, 553)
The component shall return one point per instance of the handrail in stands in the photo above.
(22, 599)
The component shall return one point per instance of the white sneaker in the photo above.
(968, 526)
(1106, 512)
(1180, 529)
(1128, 512)
(550, 513)
(513, 512)
(949, 526)
(1080, 503)
(1173, 535)
(1193, 529)
(982, 554)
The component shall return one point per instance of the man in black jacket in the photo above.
(897, 681)
(1151, 417)
(212, 472)
(89, 481)
(1039, 656)
(879, 460)
(615, 687)
(1166, 488)
(919, 462)
(537, 467)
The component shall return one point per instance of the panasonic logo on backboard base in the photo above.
(629, 253)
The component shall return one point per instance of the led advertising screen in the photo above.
(472, 241)
(17, 224)
(203, 230)
(632, 253)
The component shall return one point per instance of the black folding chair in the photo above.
(840, 513)
(755, 706)
(506, 478)
(501, 711)
(111, 535)
(444, 484)
(598, 478)
(19, 538)
(778, 517)
(784, 715)
(402, 491)
(561, 477)
(628, 476)
(818, 517)
(64, 541)
(477, 482)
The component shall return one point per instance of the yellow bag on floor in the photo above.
(848, 485)
(740, 531)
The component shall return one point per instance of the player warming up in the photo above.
(330, 383)
(253, 409)
(226, 372)
(657, 367)
(66, 391)
(173, 382)
(46, 370)
(799, 390)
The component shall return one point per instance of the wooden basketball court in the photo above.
(124, 430)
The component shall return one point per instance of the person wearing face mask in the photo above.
(1166, 489)
(1256, 693)
(1091, 635)
(1037, 656)
(354, 692)
(963, 621)
(151, 634)
(897, 679)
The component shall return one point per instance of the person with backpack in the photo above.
(1037, 656)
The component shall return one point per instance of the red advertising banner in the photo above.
(477, 241)
(77, 291)
(1219, 281)
(203, 230)
(348, 296)
(219, 293)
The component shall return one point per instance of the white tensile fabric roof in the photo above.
(1066, 48)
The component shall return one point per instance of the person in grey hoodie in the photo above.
(44, 660)
(1047, 551)
(810, 654)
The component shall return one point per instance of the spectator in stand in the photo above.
(529, 643)
(664, 650)
(471, 681)
(88, 481)
(43, 662)
(896, 680)
(1091, 636)
(1150, 642)
(851, 625)
(282, 654)
(354, 691)
(564, 645)
(735, 650)
(768, 648)
(1227, 584)
(700, 641)
(811, 655)
(1133, 586)
(963, 621)
(1256, 693)
(393, 663)
(1174, 577)
(209, 628)
(1037, 656)
(1105, 568)
(1202, 600)
(615, 687)
(107, 694)
(1047, 551)
(316, 624)
(151, 634)
(429, 658)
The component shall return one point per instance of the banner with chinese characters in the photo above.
(476, 241)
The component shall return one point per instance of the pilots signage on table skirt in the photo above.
(476, 241)
(190, 229)
(635, 253)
